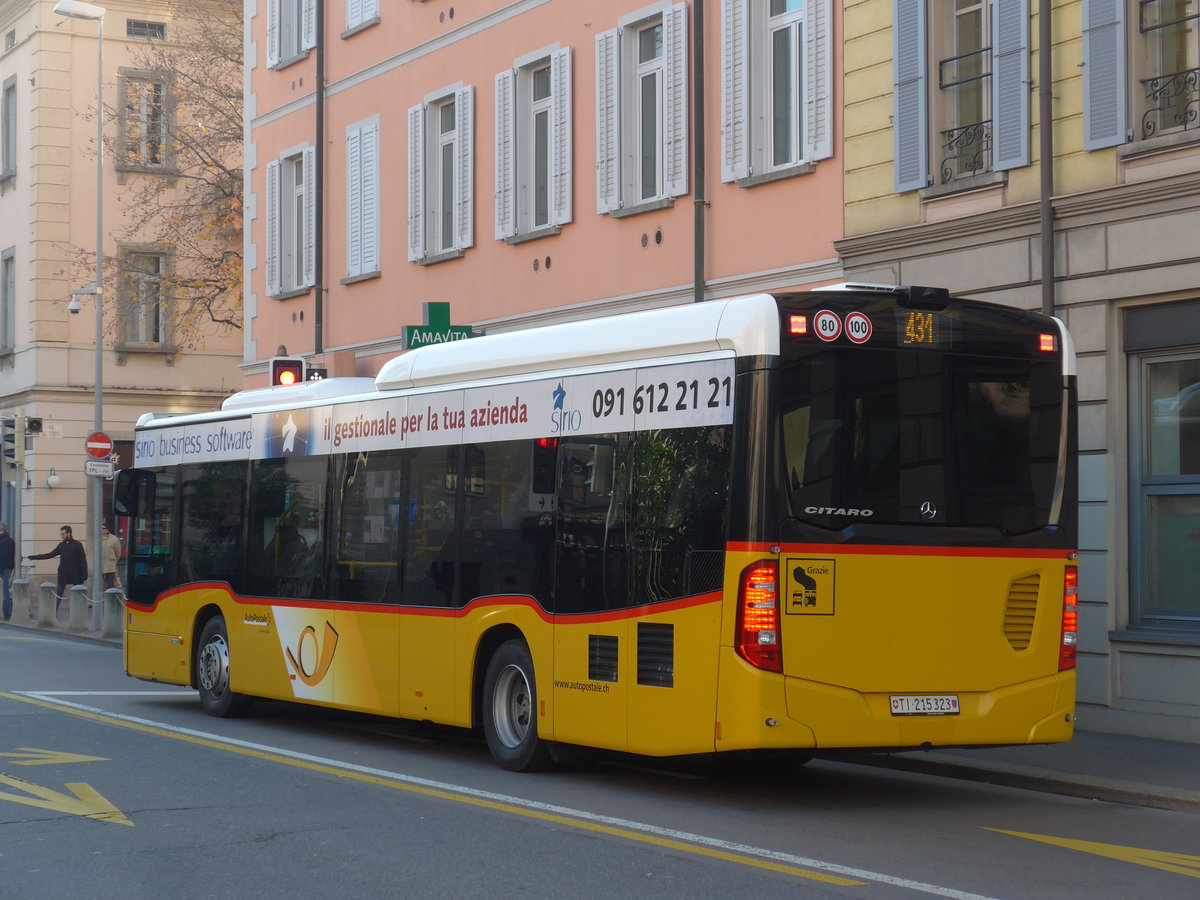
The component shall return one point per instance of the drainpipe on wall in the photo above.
(1046, 149)
(698, 202)
(319, 187)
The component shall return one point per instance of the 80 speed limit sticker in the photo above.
(827, 325)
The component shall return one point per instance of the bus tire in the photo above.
(510, 710)
(212, 673)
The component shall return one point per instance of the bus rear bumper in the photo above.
(1040, 711)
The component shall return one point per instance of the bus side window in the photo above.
(286, 546)
(366, 544)
(430, 538)
(211, 539)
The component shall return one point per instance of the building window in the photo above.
(143, 301)
(8, 121)
(147, 117)
(291, 31)
(361, 12)
(1158, 41)
(776, 101)
(154, 31)
(533, 144)
(10, 40)
(441, 175)
(641, 94)
(1169, 74)
(291, 223)
(8, 300)
(1166, 518)
(961, 89)
(362, 198)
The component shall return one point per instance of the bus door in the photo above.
(591, 594)
(147, 498)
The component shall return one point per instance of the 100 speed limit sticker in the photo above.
(829, 326)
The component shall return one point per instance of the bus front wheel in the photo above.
(510, 710)
(212, 672)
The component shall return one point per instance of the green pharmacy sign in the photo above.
(437, 328)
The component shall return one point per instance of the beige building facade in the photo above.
(48, 229)
(944, 185)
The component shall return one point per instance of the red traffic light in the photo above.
(286, 370)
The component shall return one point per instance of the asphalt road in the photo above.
(110, 787)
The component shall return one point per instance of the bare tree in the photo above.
(178, 151)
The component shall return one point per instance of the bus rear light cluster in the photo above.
(757, 639)
(1070, 620)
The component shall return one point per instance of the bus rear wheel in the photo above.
(510, 710)
(212, 672)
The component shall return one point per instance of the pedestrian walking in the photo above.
(8, 556)
(72, 563)
(110, 556)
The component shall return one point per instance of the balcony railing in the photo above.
(1172, 103)
(968, 151)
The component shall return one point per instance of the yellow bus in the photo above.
(794, 522)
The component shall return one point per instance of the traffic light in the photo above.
(286, 370)
(13, 430)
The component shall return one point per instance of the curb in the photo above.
(1132, 793)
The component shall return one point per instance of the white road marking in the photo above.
(583, 815)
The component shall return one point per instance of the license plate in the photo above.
(924, 704)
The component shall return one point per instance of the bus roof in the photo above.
(746, 326)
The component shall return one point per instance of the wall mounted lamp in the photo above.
(53, 480)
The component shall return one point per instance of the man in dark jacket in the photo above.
(72, 562)
(8, 557)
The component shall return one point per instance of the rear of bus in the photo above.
(908, 574)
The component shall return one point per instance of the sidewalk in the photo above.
(1110, 767)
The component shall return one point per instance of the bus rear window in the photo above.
(893, 436)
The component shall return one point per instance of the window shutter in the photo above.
(818, 81)
(310, 216)
(354, 201)
(370, 9)
(370, 197)
(309, 16)
(910, 113)
(1010, 84)
(274, 270)
(608, 124)
(561, 172)
(675, 100)
(735, 90)
(464, 219)
(354, 12)
(272, 33)
(506, 176)
(416, 182)
(1104, 103)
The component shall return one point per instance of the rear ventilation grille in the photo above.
(602, 657)
(655, 654)
(1021, 610)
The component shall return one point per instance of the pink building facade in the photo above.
(527, 162)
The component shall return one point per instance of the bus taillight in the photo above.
(757, 639)
(1070, 619)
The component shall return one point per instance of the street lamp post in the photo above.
(74, 9)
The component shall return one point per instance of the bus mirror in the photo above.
(125, 490)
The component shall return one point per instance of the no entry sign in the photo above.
(98, 445)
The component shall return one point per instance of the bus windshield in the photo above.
(956, 420)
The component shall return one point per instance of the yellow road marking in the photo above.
(1179, 863)
(512, 809)
(32, 756)
(85, 802)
